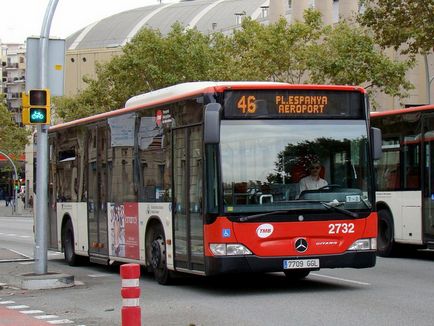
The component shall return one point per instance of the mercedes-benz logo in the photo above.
(301, 245)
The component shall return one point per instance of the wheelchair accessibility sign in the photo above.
(226, 233)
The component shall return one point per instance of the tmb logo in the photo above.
(264, 230)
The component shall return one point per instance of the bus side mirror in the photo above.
(376, 141)
(212, 123)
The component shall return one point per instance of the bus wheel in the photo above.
(158, 256)
(68, 244)
(294, 275)
(385, 242)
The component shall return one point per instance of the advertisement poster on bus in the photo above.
(124, 230)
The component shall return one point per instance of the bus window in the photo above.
(68, 167)
(121, 158)
(411, 163)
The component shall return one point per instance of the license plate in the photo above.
(300, 263)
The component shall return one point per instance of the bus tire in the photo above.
(157, 254)
(294, 275)
(68, 244)
(386, 234)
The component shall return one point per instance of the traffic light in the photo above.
(36, 107)
(17, 185)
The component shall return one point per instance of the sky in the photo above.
(20, 19)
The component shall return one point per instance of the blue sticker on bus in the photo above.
(226, 233)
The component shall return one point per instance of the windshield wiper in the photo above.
(334, 206)
(366, 202)
(251, 217)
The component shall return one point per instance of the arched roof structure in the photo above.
(205, 15)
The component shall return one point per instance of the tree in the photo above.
(348, 55)
(402, 24)
(12, 137)
(276, 51)
(313, 53)
(301, 52)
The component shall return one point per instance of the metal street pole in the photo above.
(41, 223)
(429, 79)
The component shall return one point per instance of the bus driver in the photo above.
(313, 181)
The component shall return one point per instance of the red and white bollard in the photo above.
(131, 314)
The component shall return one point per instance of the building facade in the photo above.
(13, 69)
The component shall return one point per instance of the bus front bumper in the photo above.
(254, 264)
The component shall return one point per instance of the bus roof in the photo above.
(403, 111)
(186, 90)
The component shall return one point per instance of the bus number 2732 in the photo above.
(336, 228)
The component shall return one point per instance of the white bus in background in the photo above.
(405, 178)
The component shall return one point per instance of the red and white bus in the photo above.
(202, 178)
(405, 174)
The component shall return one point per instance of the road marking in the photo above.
(340, 279)
(46, 317)
(52, 321)
(98, 275)
(17, 307)
(60, 321)
(31, 312)
(20, 253)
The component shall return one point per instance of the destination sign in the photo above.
(259, 104)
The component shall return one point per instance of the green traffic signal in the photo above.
(38, 115)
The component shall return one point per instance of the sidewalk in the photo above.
(6, 211)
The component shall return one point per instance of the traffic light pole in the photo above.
(41, 223)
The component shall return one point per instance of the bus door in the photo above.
(428, 172)
(188, 217)
(97, 190)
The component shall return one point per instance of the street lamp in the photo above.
(428, 78)
(15, 191)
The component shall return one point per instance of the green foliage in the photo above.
(348, 55)
(402, 24)
(301, 52)
(276, 51)
(12, 137)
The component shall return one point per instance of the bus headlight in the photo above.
(364, 244)
(229, 249)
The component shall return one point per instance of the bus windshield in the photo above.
(270, 165)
